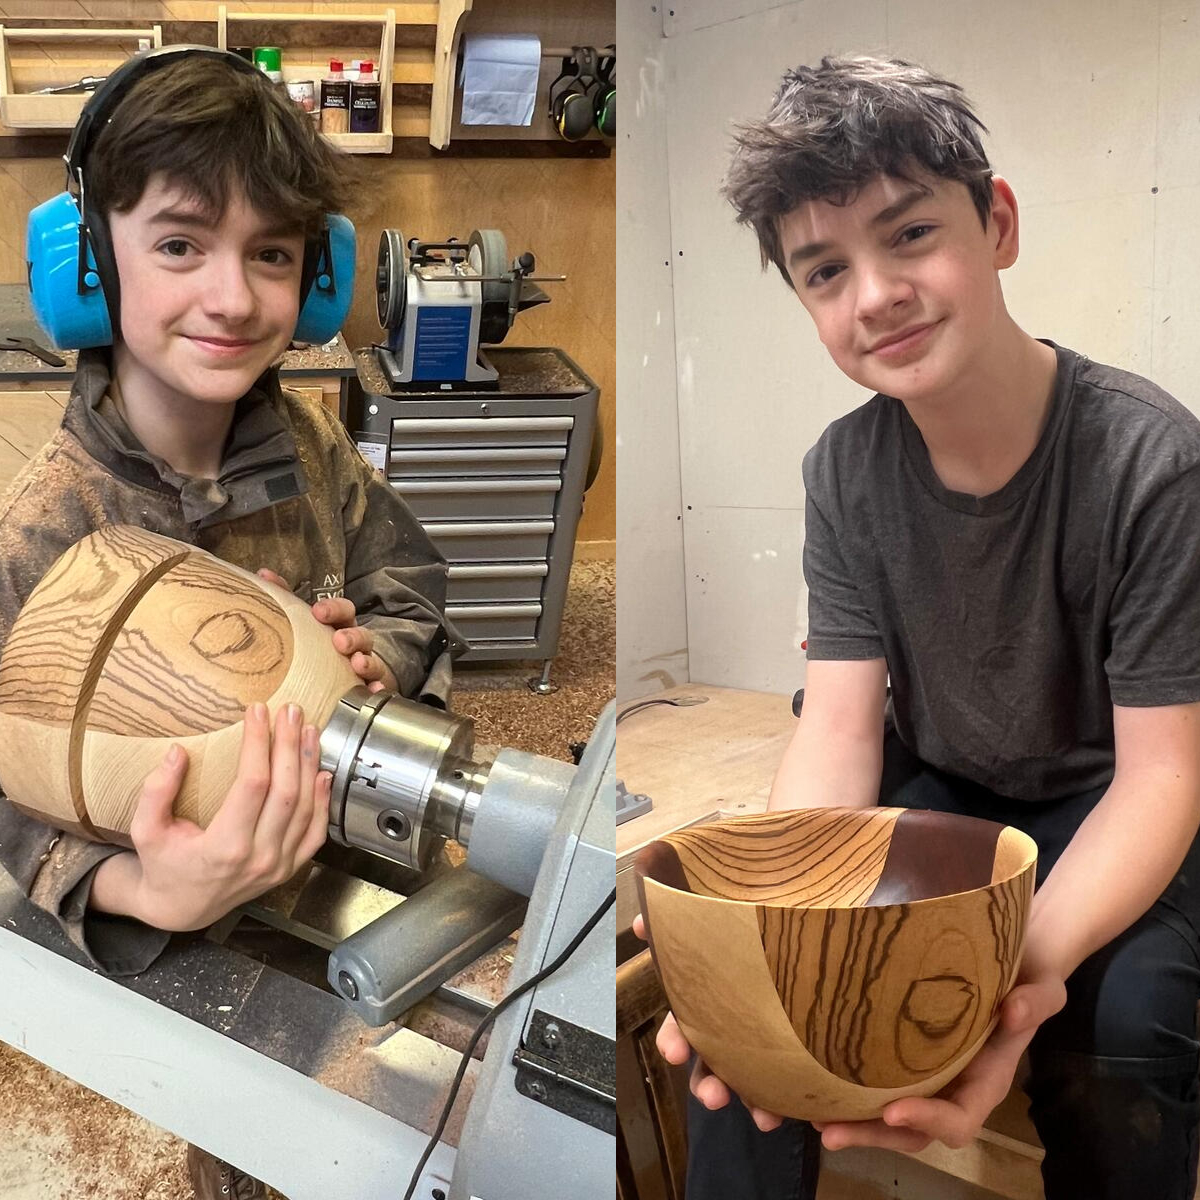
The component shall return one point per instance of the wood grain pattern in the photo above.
(133, 641)
(210, 640)
(805, 996)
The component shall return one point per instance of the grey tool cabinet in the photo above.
(497, 479)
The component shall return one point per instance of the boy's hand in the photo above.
(273, 820)
(351, 639)
(957, 1113)
(705, 1086)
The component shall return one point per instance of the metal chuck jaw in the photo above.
(403, 778)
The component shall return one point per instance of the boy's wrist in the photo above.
(116, 887)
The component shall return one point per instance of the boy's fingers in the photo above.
(639, 927)
(338, 612)
(353, 637)
(707, 1088)
(318, 829)
(671, 1043)
(310, 764)
(156, 806)
(240, 811)
(283, 796)
(368, 667)
(766, 1121)
(270, 576)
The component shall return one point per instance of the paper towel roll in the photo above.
(500, 78)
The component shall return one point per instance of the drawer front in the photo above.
(480, 499)
(491, 541)
(495, 582)
(416, 433)
(495, 622)
(491, 460)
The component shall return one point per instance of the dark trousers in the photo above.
(1113, 1077)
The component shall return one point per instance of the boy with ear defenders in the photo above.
(201, 234)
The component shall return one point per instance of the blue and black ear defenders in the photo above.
(72, 273)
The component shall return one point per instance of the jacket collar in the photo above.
(261, 447)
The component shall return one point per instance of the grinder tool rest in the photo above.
(326, 1094)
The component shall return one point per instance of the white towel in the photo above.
(500, 78)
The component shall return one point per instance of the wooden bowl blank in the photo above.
(825, 962)
(133, 641)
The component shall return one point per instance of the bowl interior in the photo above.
(826, 857)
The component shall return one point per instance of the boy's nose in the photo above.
(880, 292)
(229, 293)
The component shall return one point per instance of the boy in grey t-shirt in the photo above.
(1006, 530)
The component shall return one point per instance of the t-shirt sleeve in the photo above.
(1154, 617)
(840, 624)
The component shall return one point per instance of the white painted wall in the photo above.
(651, 620)
(1094, 111)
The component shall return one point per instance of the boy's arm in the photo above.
(57, 871)
(1119, 862)
(1132, 843)
(835, 757)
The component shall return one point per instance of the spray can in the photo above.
(364, 100)
(335, 100)
(269, 60)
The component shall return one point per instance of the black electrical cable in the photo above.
(515, 994)
(676, 702)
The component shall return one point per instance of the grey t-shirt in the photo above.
(1012, 623)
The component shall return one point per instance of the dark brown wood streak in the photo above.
(930, 856)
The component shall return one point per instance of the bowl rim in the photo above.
(1028, 862)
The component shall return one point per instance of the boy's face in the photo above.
(205, 308)
(902, 282)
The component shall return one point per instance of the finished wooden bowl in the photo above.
(133, 641)
(827, 961)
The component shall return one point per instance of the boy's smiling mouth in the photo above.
(898, 344)
(222, 345)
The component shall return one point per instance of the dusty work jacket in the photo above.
(293, 495)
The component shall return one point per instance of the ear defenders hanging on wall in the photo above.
(73, 281)
(604, 105)
(571, 104)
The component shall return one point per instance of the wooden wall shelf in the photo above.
(352, 143)
(30, 111)
(422, 78)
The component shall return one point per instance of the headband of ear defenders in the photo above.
(73, 278)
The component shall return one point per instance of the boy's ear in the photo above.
(1004, 225)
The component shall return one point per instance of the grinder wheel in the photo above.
(488, 254)
(391, 279)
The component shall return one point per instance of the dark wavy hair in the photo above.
(210, 129)
(832, 129)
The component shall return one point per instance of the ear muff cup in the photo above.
(73, 283)
(605, 109)
(570, 103)
(574, 120)
(327, 286)
(65, 291)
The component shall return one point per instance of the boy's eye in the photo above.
(275, 256)
(823, 274)
(175, 248)
(913, 232)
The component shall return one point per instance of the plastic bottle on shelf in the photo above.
(364, 100)
(335, 100)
